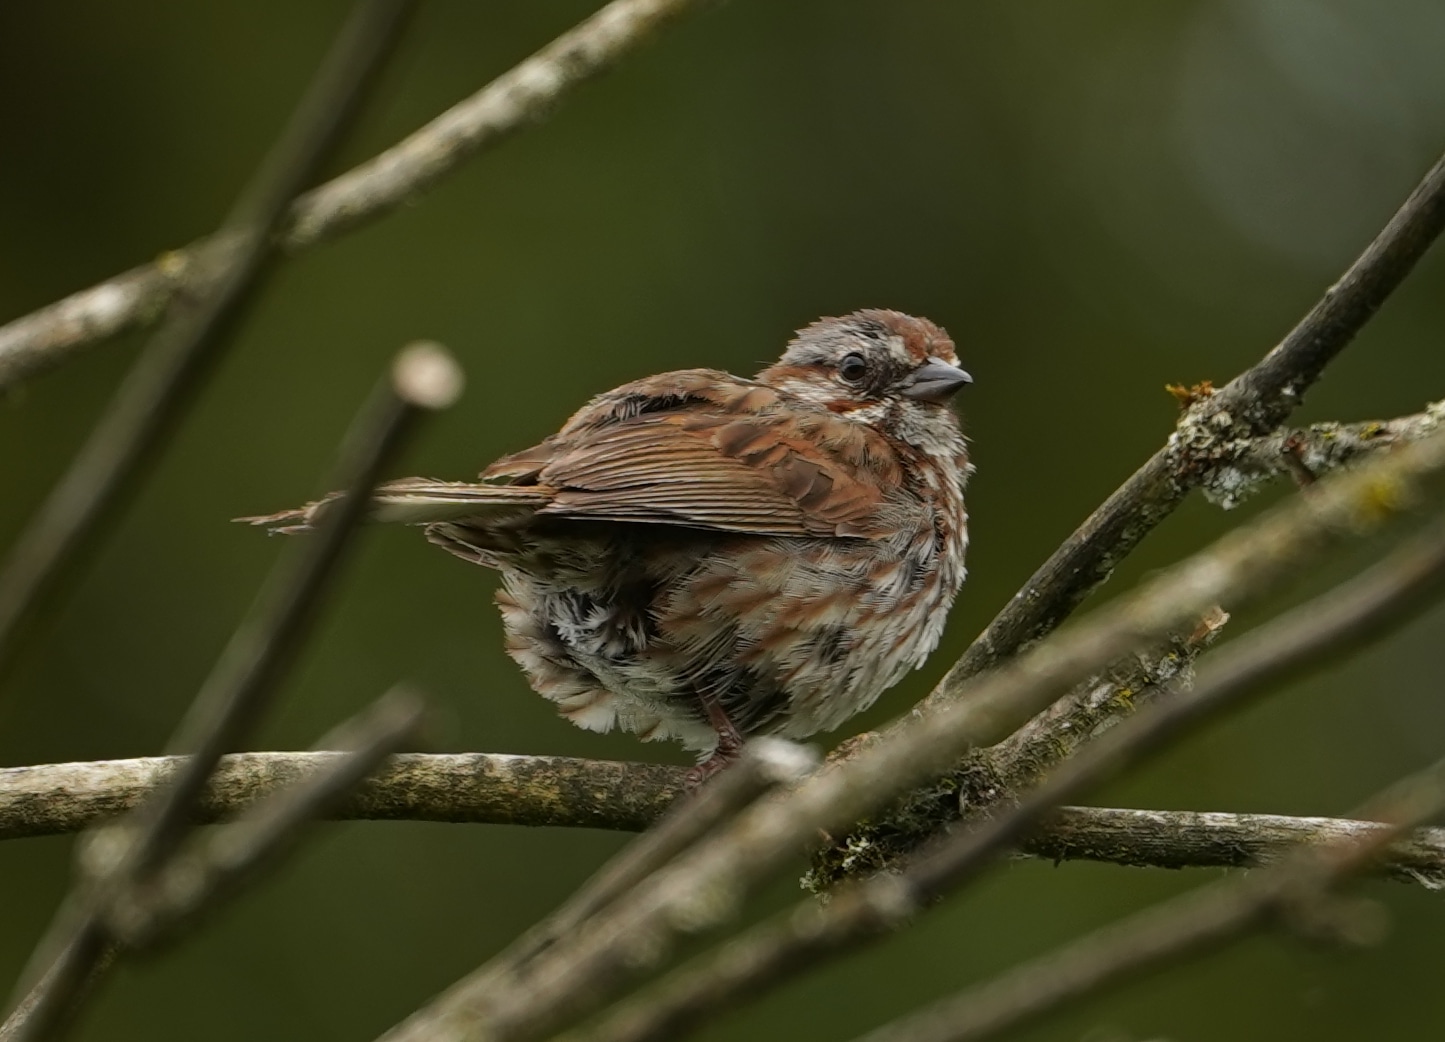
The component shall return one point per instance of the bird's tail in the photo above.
(420, 501)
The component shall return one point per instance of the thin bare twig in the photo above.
(1309, 636)
(171, 370)
(766, 764)
(703, 888)
(1252, 405)
(65, 964)
(218, 864)
(424, 377)
(516, 99)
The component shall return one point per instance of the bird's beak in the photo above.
(936, 381)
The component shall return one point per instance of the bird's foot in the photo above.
(715, 764)
(729, 749)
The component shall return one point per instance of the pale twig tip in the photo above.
(426, 375)
(781, 761)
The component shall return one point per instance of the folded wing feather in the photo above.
(696, 448)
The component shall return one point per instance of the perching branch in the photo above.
(478, 788)
(540, 790)
(524, 95)
(501, 789)
(1209, 438)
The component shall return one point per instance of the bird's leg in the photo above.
(729, 744)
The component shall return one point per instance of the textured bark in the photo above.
(459, 787)
(1197, 839)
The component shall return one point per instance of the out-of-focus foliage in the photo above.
(1094, 198)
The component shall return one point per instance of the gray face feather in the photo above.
(871, 356)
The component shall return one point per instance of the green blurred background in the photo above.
(1094, 198)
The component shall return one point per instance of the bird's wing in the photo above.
(697, 448)
(703, 449)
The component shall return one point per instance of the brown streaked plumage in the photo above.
(704, 557)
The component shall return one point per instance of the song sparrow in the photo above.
(703, 557)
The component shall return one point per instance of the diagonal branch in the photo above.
(215, 865)
(132, 854)
(1209, 436)
(522, 96)
(1296, 893)
(769, 954)
(993, 776)
(172, 370)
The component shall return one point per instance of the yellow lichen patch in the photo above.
(1187, 396)
(1383, 498)
(173, 263)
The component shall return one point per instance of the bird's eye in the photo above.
(853, 367)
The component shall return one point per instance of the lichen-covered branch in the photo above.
(1199, 839)
(1024, 757)
(1242, 467)
(1298, 894)
(993, 777)
(524, 95)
